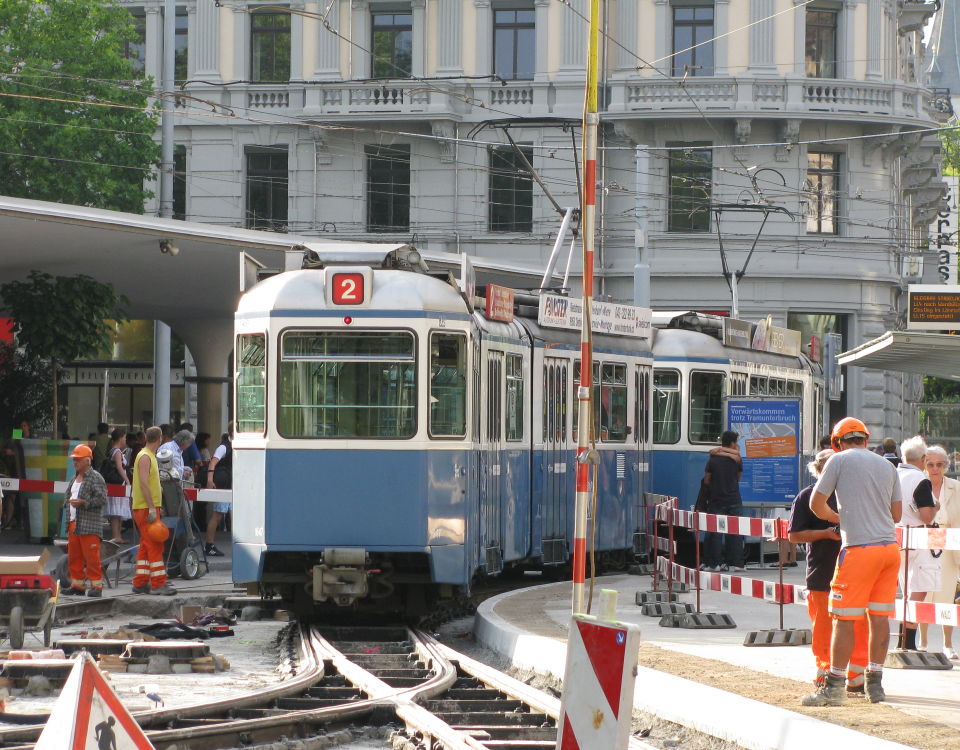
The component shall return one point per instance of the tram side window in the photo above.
(334, 384)
(706, 406)
(613, 403)
(514, 397)
(251, 369)
(758, 386)
(448, 385)
(666, 406)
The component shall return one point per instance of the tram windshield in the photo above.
(337, 384)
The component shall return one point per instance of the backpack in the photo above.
(108, 470)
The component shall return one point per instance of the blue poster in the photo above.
(770, 443)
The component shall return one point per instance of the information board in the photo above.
(933, 307)
(770, 440)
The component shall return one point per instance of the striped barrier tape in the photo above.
(931, 613)
(113, 490)
(920, 537)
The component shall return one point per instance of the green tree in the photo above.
(75, 124)
(950, 147)
(24, 390)
(60, 318)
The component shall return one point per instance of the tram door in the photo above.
(491, 457)
(556, 480)
(641, 380)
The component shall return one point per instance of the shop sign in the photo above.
(499, 303)
(115, 376)
(607, 317)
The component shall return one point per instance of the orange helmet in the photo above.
(82, 451)
(158, 531)
(848, 427)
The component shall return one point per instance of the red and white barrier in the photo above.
(113, 490)
(926, 538)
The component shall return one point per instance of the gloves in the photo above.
(152, 515)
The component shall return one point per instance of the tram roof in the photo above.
(202, 280)
(921, 353)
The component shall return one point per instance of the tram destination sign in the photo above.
(607, 317)
(933, 307)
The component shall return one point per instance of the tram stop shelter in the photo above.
(188, 275)
(917, 352)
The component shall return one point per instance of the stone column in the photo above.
(193, 43)
(573, 40)
(326, 61)
(874, 39)
(296, 42)
(762, 37)
(419, 47)
(542, 32)
(799, 40)
(205, 53)
(847, 46)
(153, 41)
(449, 37)
(484, 33)
(241, 43)
(360, 33)
(210, 342)
(626, 34)
(721, 25)
(663, 21)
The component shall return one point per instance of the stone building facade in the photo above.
(415, 120)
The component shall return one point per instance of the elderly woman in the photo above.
(85, 497)
(947, 493)
(823, 546)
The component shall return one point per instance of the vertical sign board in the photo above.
(944, 233)
(598, 682)
(770, 440)
(832, 374)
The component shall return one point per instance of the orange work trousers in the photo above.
(150, 568)
(818, 609)
(83, 559)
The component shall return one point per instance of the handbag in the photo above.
(703, 497)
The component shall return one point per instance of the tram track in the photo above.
(346, 676)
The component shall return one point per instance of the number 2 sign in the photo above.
(348, 289)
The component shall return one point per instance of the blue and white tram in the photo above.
(391, 444)
(693, 372)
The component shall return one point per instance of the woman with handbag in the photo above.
(115, 472)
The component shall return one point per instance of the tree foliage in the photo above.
(950, 148)
(25, 390)
(61, 318)
(75, 124)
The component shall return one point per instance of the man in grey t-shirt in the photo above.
(865, 581)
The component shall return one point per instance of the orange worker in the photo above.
(85, 497)
(823, 546)
(151, 573)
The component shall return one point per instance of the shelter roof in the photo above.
(921, 353)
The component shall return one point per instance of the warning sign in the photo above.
(88, 715)
(933, 307)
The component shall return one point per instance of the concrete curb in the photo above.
(730, 717)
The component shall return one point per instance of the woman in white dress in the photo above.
(117, 509)
(947, 493)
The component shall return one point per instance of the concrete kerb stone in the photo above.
(700, 707)
(788, 637)
(901, 659)
(659, 609)
(645, 597)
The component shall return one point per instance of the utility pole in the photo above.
(161, 331)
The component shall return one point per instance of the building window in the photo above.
(135, 50)
(692, 25)
(822, 188)
(180, 69)
(691, 184)
(267, 177)
(180, 182)
(270, 47)
(821, 44)
(514, 44)
(388, 188)
(392, 45)
(510, 192)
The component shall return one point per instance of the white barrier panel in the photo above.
(113, 490)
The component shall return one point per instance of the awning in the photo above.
(936, 354)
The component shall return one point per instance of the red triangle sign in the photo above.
(88, 715)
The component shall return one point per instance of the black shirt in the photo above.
(822, 554)
(724, 480)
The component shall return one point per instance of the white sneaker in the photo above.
(951, 654)
(738, 569)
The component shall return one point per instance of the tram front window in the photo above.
(334, 384)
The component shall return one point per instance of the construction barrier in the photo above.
(113, 490)
(780, 593)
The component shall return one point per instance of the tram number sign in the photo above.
(348, 289)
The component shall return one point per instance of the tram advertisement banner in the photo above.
(770, 441)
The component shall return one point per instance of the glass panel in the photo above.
(514, 397)
(822, 186)
(135, 50)
(613, 403)
(251, 369)
(510, 190)
(270, 47)
(691, 186)
(392, 45)
(448, 385)
(388, 188)
(180, 47)
(821, 43)
(666, 406)
(693, 26)
(706, 406)
(514, 44)
(347, 385)
(267, 180)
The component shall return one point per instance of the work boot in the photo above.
(94, 593)
(165, 590)
(71, 591)
(875, 693)
(831, 694)
(141, 589)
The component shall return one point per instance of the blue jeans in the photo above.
(723, 548)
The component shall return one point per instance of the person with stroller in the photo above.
(84, 498)
(220, 477)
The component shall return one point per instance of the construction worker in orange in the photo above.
(865, 581)
(85, 497)
(823, 546)
(151, 573)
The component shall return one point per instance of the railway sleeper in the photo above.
(323, 691)
(532, 734)
(473, 706)
(485, 719)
